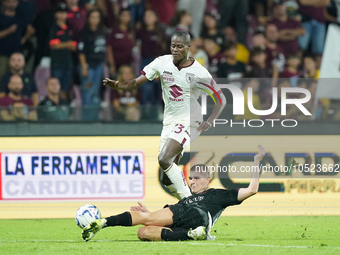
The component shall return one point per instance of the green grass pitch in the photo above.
(234, 235)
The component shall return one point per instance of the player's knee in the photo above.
(163, 161)
(143, 234)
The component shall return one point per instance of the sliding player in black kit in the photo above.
(191, 218)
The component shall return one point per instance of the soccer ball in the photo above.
(86, 214)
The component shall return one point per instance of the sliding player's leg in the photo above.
(161, 218)
(154, 233)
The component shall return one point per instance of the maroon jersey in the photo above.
(165, 9)
(214, 61)
(272, 54)
(7, 103)
(126, 97)
(288, 74)
(291, 46)
(122, 46)
(311, 12)
(150, 40)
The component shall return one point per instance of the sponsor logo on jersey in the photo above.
(175, 91)
(194, 199)
(167, 77)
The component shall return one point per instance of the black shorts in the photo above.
(188, 216)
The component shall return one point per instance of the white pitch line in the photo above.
(191, 243)
(263, 245)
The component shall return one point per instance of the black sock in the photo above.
(123, 219)
(178, 234)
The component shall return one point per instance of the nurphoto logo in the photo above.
(239, 105)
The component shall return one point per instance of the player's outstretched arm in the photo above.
(127, 85)
(253, 187)
(218, 108)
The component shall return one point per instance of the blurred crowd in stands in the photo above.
(54, 54)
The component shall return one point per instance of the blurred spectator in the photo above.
(196, 8)
(231, 68)
(89, 4)
(110, 10)
(254, 85)
(61, 45)
(237, 10)
(14, 32)
(52, 107)
(309, 67)
(242, 51)
(212, 8)
(92, 53)
(274, 52)
(259, 69)
(151, 38)
(137, 8)
(42, 25)
(17, 65)
(42, 5)
(332, 12)
(313, 20)
(182, 21)
(211, 30)
(126, 103)
(292, 9)
(197, 53)
(121, 41)
(15, 106)
(165, 9)
(259, 40)
(292, 69)
(76, 17)
(215, 56)
(28, 9)
(289, 29)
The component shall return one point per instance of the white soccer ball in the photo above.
(86, 214)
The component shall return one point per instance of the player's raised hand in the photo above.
(261, 154)
(140, 208)
(111, 83)
(205, 125)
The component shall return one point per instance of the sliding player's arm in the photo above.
(253, 187)
(127, 85)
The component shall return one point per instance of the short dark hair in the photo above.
(310, 55)
(257, 51)
(201, 168)
(259, 32)
(293, 55)
(183, 34)
(229, 45)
